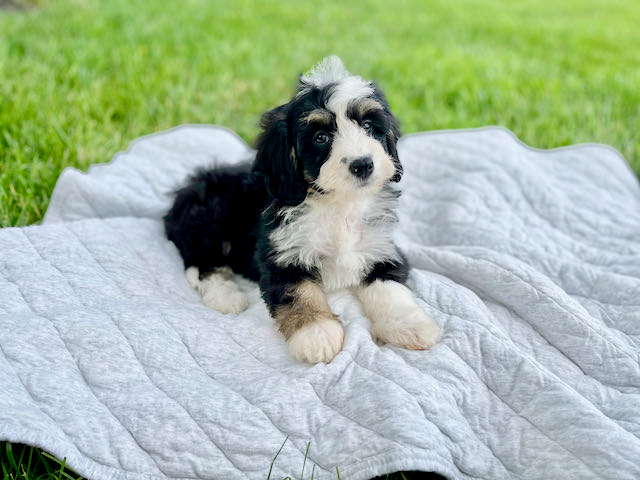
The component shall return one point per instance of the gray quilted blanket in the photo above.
(530, 259)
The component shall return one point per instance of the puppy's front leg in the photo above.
(313, 332)
(395, 316)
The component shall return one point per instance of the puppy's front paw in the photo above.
(413, 330)
(317, 341)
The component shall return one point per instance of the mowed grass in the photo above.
(80, 79)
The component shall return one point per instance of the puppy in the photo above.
(315, 212)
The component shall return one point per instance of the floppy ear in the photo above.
(276, 159)
(392, 140)
(393, 134)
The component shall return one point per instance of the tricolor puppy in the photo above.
(314, 213)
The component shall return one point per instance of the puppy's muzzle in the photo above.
(361, 167)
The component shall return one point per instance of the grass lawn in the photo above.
(80, 79)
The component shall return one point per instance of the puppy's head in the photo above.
(336, 137)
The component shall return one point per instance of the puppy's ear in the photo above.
(276, 159)
(393, 133)
(392, 141)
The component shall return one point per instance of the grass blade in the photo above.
(306, 454)
(274, 458)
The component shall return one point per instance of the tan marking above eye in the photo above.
(367, 105)
(318, 116)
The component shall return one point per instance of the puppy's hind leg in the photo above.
(218, 290)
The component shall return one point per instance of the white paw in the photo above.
(413, 330)
(218, 290)
(225, 300)
(318, 341)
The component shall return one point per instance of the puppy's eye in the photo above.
(367, 125)
(321, 138)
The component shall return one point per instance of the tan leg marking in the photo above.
(309, 303)
(312, 330)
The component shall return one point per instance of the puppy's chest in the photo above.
(347, 256)
(341, 242)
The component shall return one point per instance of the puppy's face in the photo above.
(341, 135)
(337, 137)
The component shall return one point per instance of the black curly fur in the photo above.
(214, 219)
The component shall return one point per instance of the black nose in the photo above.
(361, 167)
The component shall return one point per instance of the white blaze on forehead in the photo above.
(347, 87)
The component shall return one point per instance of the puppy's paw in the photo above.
(317, 341)
(218, 291)
(225, 300)
(413, 330)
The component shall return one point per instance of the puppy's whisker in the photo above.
(315, 188)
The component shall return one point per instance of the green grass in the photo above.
(80, 79)
(21, 462)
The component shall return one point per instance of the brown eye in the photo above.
(321, 138)
(368, 127)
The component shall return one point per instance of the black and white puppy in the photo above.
(314, 213)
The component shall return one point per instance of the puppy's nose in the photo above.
(361, 167)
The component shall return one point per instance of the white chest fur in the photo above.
(341, 239)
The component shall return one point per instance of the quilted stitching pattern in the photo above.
(530, 259)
